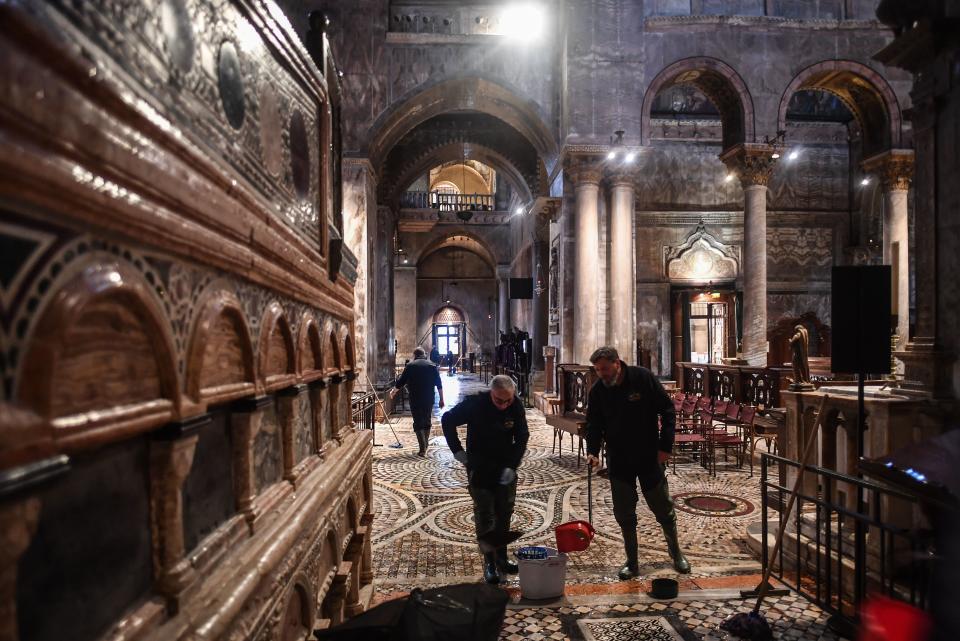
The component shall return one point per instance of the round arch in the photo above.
(865, 93)
(449, 314)
(103, 312)
(462, 240)
(472, 93)
(720, 83)
(220, 359)
(458, 151)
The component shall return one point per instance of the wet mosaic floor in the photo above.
(424, 536)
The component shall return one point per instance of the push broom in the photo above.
(753, 625)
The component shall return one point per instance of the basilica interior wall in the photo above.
(475, 299)
(177, 382)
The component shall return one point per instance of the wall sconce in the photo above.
(778, 143)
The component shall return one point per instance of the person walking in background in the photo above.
(624, 409)
(421, 377)
(497, 437)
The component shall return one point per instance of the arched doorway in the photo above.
(449, 334)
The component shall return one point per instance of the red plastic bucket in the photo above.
(574, 536)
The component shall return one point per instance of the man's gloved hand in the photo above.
(507, 476)
(461, 456)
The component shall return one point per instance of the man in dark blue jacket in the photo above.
(497, 437)
(421, 377)
(624, 409)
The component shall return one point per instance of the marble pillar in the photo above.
(586, 264)
(381, 324)
(359, 208)
(541, 300)
(549, 365)
(622, 273)
(503, 302)
(405, 315)
(753, 164)
(895, 168)
(930, 354)
(568, 247)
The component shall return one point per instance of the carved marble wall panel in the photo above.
(795, 253)
(817, 180)
(676, 176)
(784, 305)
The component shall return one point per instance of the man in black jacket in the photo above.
(420, 376)
(497, 437)
(623, 409)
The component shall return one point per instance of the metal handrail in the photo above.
(825, 567)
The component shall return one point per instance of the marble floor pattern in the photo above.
(424, 537)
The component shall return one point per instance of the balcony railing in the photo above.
(446, 202)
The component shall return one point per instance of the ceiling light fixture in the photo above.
(794, 155)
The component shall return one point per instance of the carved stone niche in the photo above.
(701, 258)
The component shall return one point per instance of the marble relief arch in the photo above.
(701, 258)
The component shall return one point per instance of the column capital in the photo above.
(894, 166)
(623, 176)
(752, 163)
(503, 271)
(585, 170)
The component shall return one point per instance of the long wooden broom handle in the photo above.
(808, 448)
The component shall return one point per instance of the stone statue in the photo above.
(800, 346)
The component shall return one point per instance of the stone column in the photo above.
(586, 264)
(503, 303)
(286, 410)
(359, 220)
(381, 302)
(622, 273)
(549, 369)
(541, 300)
(245, 417)
(171, 457)
(753, 164)
(924, 45)
(405, 314)
(895, 168)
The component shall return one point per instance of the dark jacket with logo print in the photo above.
(496, 439)
(636, 419)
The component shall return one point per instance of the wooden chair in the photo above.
(723, 439)
(689, 437)
(767, 428)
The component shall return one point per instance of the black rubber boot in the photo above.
(631, 568)
(504, 564)
(423, 439)
(661, 504)
(680, 563)
(490, 572)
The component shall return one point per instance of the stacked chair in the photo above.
(706, 425)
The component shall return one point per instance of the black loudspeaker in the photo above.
(860, 319)
(521, 288)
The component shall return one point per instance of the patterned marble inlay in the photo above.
(424, 502)
(628, 629)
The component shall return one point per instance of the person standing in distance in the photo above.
(623, 410)
(497, 437)
(420, 376)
